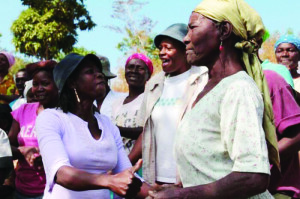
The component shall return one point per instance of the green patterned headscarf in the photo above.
(247, 25)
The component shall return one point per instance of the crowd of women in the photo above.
(216, 122)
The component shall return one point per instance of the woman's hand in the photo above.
(32, 156)
(125, 183)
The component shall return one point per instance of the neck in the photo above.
(84, 110)
(294, 72)
(228, 63)
(134, 92)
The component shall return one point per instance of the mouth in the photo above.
(132, 77)
(40, 97)
(165, 61)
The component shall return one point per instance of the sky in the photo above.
(277, 15)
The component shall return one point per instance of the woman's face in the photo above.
(172, 56)
(287, 54)
(44, 89)
(89, 81)
(202, 41)
(136, 73)
(4, 65)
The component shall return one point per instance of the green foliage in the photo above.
(19, 64)
(49, 27)
(79, 50)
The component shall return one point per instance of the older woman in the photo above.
(287, 51)
(138, 70)
(8, 89)
(220, 145)
(78, 145)
(166, 97)
(30, 175)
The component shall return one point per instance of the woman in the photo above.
(165, 99)
(138, 70)
(8, 89)
(30, 175)
(287, 52)
(78, 145)
(220, 145)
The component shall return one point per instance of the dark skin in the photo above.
(136, 75)
(202, 44)
(89, 83)
(47, 95)
(21, 78)
(172, 55)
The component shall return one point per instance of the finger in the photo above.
(109, 172)
(152, 194)
(137, 166)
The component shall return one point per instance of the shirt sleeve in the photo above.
(285, 108)
(241, 126)
(15, 114)
(50, 129)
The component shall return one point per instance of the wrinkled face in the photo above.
(136, 73)
(287, 54)
(172, 55)
(44, 89)
(89, 81)
(4, 65)
(202, 42)
(21, 78)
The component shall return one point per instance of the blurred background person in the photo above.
(8, 89)
(30, 175)
(104, 104)
(138, 70)
(20, 78)
(287, 52)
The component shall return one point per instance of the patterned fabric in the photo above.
(291, 39)
(247, 25)
(126, 115)
(228, 137)
(197, 80)
(8, 87)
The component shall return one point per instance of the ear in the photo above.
(225, 29)
(71, 84)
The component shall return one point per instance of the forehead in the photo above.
(287, 45)
(42, 74)
(196, 17)
(136, 62)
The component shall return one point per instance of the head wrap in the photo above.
(34, 68)
(291, 39)
(10, 58)
(247, 25)
(28, 86)
(144, 58)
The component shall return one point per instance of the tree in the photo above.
(137, 30)
(49, 27)
(79, 50)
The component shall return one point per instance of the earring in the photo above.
(77, 97)
(221, 46)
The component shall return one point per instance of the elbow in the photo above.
(259, 183)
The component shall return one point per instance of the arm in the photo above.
(131, 133)
(136, 152)
(289, 146)
(234, 185)
(30, 153)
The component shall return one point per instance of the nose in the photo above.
(186, 39)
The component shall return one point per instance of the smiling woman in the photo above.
(30, 177)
